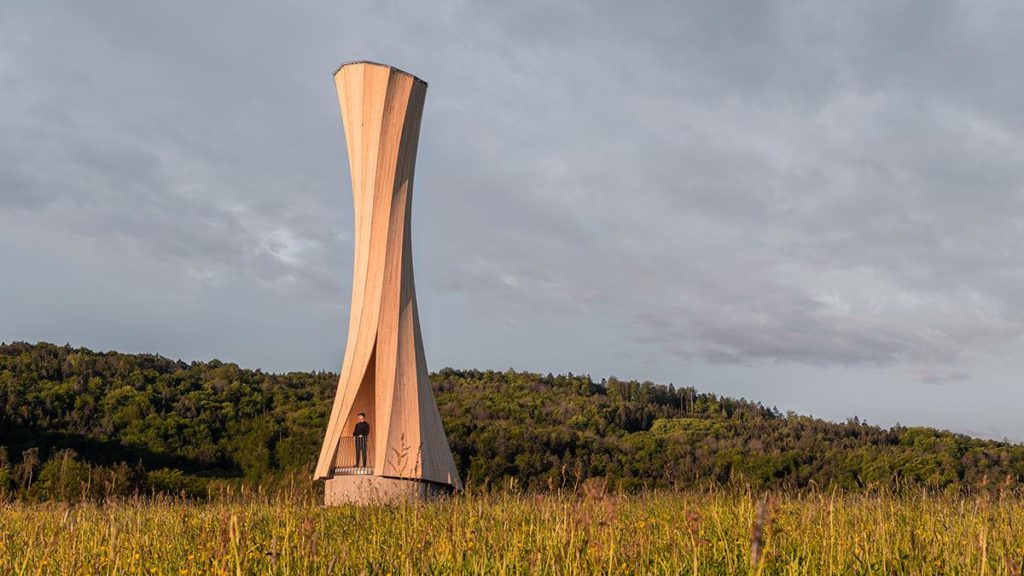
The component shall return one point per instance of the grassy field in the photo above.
(661, 533)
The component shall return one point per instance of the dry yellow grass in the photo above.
(518, 534)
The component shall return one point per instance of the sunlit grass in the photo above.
(660, 533)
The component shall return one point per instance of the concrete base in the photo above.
(358, 489)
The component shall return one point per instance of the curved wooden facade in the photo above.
(384, 373)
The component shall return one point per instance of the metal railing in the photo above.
(354, 455)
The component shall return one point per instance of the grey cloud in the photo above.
(705, 183)
(939, 378)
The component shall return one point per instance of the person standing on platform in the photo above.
(361, 433)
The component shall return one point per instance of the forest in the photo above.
(77, 424)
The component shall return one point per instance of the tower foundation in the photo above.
(363, 490)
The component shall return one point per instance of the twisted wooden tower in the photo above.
(384, 375)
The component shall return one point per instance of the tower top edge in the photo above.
(372, 63)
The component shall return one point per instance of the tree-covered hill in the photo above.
(75, 422)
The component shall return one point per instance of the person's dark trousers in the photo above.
(361, 451)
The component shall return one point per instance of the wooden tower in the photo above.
(384, 374)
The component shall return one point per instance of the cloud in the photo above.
(789, 183)
(939, 378)
(770, 191)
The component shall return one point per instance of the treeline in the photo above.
(81, 424)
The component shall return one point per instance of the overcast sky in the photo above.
(817, 205)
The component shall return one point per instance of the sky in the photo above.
(814, 205)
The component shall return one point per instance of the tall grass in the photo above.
(660, 533)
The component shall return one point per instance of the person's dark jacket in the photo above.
(361, 429)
